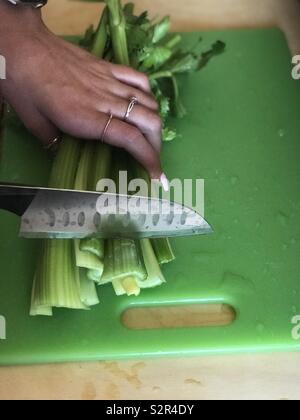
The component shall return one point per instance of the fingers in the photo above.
(91, 125)
(147, 121)
(126, 92)
(129, 138)
(131, 77)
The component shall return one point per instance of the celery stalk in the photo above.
(88, 292)
(84, 167)
(57, 278)
(122, 257)
(86, 259)
(118, 32)
(162, 247)
(155, 277)
(122, 261)
(98, 155)
(101, 165)
(57, 283)
(65, 164)
(100, 39)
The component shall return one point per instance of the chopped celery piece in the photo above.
(162, 247)
(122, 258)
(98, 158)
(40, 311)
(88, 291)
(95, 275)
(155, 275)
(122, 261)
(163, 250)
(118, 288)
(86, 259)
(131, 286)
(36, 310)
(93, 246)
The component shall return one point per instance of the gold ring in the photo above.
(53, 144)
(132, 102)
(106, 127)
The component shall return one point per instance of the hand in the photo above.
(57, 87)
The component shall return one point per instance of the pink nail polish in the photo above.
(165, 182)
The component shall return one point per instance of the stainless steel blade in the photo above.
(72, 214)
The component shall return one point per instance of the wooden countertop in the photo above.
(272, 376)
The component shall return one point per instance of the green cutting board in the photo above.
(242, 135)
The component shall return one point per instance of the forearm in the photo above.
(16, 25)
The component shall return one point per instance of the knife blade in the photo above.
(66, 214)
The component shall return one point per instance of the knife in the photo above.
(65, 214)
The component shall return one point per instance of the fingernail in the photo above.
(165, 182)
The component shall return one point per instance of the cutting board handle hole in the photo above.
(179, 316)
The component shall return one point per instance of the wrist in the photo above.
(14, 17)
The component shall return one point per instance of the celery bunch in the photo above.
(68, 272)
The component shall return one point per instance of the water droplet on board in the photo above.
(234, 180)
(282, 218)
(284, 247)
(281, 133)
(236, 221)
(260, 328)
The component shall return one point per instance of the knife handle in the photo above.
(15, 199)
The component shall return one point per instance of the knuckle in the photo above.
(155, 105)
(133, 134)
(156, 123)
(145, 79)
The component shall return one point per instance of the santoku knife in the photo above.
(64, 214)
